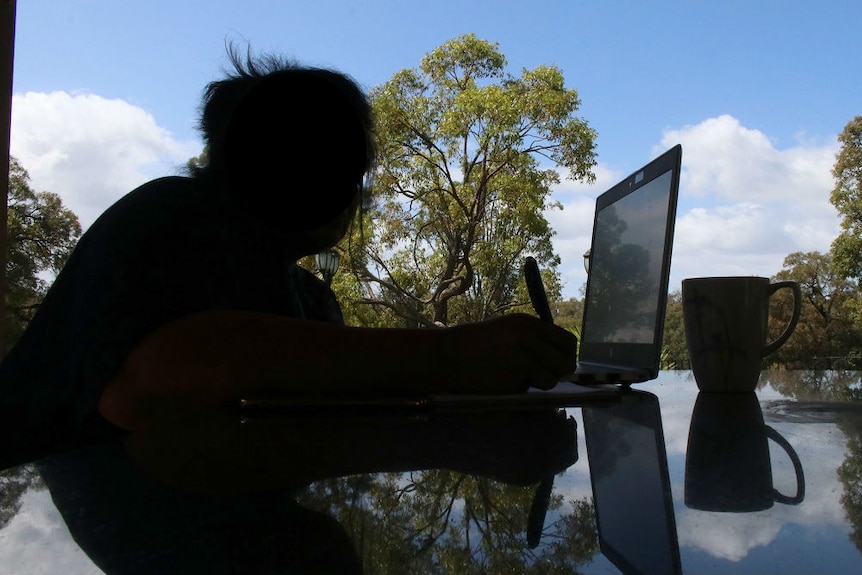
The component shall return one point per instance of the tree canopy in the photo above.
(441, 521)
(41, 234)
(847, 199)
(467, 157)
(827, 335)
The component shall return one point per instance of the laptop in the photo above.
(624, 305)
(631, 486)
(629, 270)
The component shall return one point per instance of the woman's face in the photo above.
(331, 233)
(315, 240)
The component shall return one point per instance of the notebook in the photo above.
(624, 306)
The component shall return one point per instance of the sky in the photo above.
(106, 97)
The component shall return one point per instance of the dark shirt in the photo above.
(169, 249)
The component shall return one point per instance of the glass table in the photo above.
(664, 480)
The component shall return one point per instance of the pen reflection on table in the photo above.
(542, 499)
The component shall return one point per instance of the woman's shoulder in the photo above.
(158, 204)
(161, 216)
(155, 196)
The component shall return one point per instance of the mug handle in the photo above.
(797, 308)
(797, 466)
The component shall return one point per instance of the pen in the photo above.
(536, 289)
(542, 499)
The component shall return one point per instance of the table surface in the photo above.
(773, 488)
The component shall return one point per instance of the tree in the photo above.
(441, 521)
(199, 161)
(14, 483)
(826, 336)
(460, 190)
(850, 475)
(568, 314)
(675, 347)
(847, 199)
(41, 235)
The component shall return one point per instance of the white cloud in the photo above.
(727, 229)
(37, 540)
(605, 178)
(574, 223)
(91, 150)
(744, 203)
(731, 163)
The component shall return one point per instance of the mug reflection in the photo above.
(728, 466)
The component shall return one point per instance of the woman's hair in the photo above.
(222, 97)
(292, 143)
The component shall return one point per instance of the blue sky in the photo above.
(106, 95)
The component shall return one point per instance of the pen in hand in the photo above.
(538, 297)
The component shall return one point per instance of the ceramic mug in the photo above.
(727, 463)
(726, 326)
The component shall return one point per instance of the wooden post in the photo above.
(7, 58)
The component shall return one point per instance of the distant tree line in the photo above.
(829, 333)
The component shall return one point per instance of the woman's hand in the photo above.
(509, 354)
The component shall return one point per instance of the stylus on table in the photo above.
(542, 499)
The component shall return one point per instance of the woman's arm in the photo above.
(212, 359)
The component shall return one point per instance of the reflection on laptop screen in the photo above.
(625, 265)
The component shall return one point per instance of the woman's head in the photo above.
(292, 143)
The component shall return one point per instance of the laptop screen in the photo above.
(626, 267)
(630, 257)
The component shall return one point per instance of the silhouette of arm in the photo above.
(211, 359)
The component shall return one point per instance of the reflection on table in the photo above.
(631, 487)
(454, 493)
(727, 464)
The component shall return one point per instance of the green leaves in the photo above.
(463, 180)
(463, 60)
(41, 235)
(441, 521)
(827, 333)
(847, 199)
